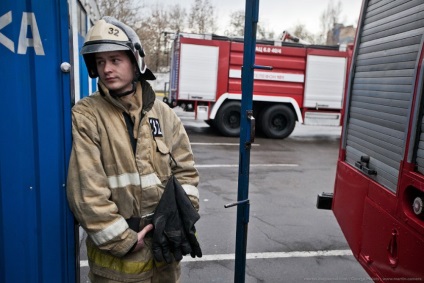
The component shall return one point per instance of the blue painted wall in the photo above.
(36, 227)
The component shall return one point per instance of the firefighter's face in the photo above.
(115, 70)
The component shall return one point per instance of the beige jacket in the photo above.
(107, 183)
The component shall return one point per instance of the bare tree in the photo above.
(328, 19)
(201, 18)
(263, 32)
(177, 16)
(236, 26)
(151, 35)
(123, 10)
(300, 31)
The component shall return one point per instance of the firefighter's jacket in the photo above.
(109, 183)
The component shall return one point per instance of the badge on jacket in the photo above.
(155, 125)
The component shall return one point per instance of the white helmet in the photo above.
(109, 34)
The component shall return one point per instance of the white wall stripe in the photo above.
(220, 257)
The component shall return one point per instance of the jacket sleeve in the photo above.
(185, 172)
(88, 192)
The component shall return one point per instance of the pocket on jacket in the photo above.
(162, 160)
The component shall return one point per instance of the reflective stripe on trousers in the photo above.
(105, 260)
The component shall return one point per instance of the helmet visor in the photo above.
(104, 46)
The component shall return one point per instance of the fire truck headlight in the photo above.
(417, 206)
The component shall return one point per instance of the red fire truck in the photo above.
(379, 186)
(306, 83)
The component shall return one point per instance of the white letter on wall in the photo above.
(28, 19)
(4, 21)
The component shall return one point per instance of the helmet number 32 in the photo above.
(114, 31)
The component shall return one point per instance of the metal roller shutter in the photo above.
(382, 86)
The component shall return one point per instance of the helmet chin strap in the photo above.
(115, 94)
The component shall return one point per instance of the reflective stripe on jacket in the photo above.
(108, 183)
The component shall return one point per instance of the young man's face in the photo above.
(115, 70)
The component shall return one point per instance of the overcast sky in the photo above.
(280, 15)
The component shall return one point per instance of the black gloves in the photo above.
(189, 216)
(174, 220)
(168, 234)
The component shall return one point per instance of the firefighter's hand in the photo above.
(140, 237)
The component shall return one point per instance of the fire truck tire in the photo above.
(227, 120)
(278, 121)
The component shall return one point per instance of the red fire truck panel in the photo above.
(306, 83)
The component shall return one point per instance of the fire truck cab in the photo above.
(303, 83)
(379, 185)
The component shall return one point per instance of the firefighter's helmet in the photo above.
(109, 34)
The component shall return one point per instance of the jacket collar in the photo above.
(149, 95)
(143, 90)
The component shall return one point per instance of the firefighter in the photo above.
(126, 145)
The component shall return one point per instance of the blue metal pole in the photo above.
(247, 132)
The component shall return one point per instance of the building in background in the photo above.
(341, 34)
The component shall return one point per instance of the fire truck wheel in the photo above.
(278, 121)
(227, 120)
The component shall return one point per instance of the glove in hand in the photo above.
(189, 216)
(169, 237)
